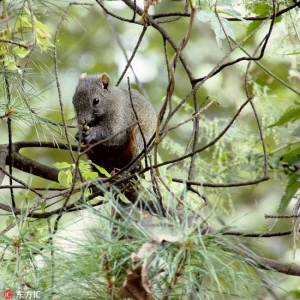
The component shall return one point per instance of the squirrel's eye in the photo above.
(96, 101)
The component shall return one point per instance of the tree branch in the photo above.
(266, 263)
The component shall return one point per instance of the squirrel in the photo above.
(114, 115)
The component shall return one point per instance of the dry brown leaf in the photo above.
(133, 288)
(137, 284)
(148, 3)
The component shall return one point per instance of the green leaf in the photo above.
(123, 198)
(90, 175)
(170, 180)
(102, 170)
(3, 51)
(69, 176)
(290, 115)
(23, 23)
(42, 27)
(252, 26)
(20, 51)
(231, 12)
(62, 165)
(95, 201)
(262, 9)
(218, 25)
(292, 157)
(84, 167)
(44, 44)
(41, 34)
(10, 220)
(10, 63)
(55, 185)
(65, 178)
(291, 189)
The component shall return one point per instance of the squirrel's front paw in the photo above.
(89, 136)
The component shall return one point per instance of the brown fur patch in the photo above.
(111, 157)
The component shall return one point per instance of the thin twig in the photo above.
(222, 185)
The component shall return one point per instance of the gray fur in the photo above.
(112, 114)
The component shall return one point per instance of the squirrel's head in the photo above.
(91, 99)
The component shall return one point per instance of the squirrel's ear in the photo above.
(83, 75)
(105, 81)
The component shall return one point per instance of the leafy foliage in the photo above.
(23, 25)
(219, 25)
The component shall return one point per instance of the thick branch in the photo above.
(266, 263)
(27, 165)
(281, 267)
